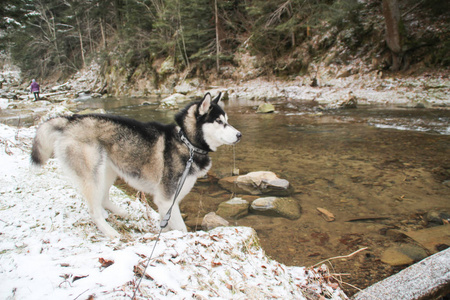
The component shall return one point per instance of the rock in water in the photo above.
(233, 209)
(277, 207)
(431, 238)
(350, 102)
(172, 101)
(403, 255)
(211, 221)
(257, 183)
(265, 108)
(435, 218)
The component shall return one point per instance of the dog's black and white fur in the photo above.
(96, 149)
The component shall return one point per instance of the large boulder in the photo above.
(277, 207)
(233, 209)
(257, 183)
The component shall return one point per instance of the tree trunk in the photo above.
(81, 42)
(103, 33)
(217, 37)
(394, 30)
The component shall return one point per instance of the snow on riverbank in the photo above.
(50, 249)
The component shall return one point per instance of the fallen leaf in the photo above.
(75, 278)
(216, 264)
(328, 216)
(105, 262)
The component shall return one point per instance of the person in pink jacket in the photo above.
(35, 89)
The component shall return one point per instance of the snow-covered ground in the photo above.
(50, 249)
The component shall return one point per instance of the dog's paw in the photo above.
(122, 213)
(112, 234)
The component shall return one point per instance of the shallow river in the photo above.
(374, 168)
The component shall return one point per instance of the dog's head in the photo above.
(206, 124)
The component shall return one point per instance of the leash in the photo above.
(165, 220)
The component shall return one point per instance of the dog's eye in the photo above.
(219, 121)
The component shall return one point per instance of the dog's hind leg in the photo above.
(109, 178)
(87, 166)
(94, 192)
(96, 211)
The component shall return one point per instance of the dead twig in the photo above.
(356, 288)
(339, 257)
(7, 142)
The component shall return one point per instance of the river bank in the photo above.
(424, 91)
(329, 88)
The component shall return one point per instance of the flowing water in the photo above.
(374, 168)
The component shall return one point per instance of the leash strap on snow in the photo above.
(165, 220)
(146, 266)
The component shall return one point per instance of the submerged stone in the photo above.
(277, 207)
(431, 238)
(265, 108)
(403, 255)
(234, 208)
(435, 218)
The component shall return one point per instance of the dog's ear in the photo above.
(205, 104)
(216, 100)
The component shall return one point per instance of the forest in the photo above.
(56, 38)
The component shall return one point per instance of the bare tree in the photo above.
(216, 13)
(394, 31)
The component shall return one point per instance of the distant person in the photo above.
(35, 89)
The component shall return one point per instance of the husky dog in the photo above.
(95, 149)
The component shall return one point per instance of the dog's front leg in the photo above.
(176, 220)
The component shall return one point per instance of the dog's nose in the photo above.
(238, 135)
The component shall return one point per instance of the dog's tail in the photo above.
(44, 142)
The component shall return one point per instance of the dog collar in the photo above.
(191, 147)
